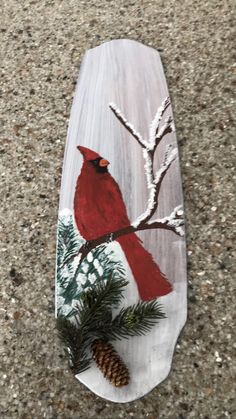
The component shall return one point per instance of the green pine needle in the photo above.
(75, 345)
(136, 320)
(92, 313)
(97, 301)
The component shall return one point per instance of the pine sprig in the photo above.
(89, 293)
(75, 344)
(109, 266)
(68, 242)
(136, 320)
(94, 320)
(98, 300)
(72, 280)
(93, 316)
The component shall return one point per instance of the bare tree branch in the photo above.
(127, 124)
(154, 187)
(154, 127)
(168, 160)
(156, 133)
(165, 129)
(173, 222)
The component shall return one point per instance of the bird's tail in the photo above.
(150, 281)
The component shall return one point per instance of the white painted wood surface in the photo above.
(131, 75)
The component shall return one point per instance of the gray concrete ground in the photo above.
(42, 44)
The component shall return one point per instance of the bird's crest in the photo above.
(87, 153)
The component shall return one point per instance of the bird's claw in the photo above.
(110, 238)
(88, 244)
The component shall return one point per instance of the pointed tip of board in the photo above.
(124, 41)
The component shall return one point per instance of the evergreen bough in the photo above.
(90, 317)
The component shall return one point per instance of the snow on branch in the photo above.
(154, 184)
(154, 127)
(170, 156)
(167, 127)
(175, 221)
(127, 124)
(156, 134)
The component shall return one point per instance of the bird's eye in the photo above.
(95, 162)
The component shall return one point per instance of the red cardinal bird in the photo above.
(99, 209)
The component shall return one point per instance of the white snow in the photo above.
(81, 279)
(92, 278)
(85, 267)
(169, 158)
(120, 115)
(171, 220)
(96, 263)
(100, 271)
(66, 212)
(90, 257)
(156, 121)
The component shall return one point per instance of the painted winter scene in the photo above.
(115, 306)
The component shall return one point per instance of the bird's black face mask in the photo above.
(100, 165)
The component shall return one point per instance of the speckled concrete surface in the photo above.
(42, 43)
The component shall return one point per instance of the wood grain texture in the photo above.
(131, 75)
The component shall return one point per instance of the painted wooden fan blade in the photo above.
(124, 218)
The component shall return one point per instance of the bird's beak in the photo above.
(103, 163)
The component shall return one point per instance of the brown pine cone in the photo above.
(110, 363)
